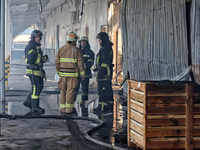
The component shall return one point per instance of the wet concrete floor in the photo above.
(113, 131)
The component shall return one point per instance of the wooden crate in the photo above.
(163, 116)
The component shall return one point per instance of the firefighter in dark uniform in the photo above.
(104, 70)
(88, 56)
(34, 70)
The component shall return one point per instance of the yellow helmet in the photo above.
(84, 38)
(72, 37)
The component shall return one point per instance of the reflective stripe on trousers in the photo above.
(68, 93)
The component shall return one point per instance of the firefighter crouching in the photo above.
(34, 70)
(88, 56)
(70, 68)
(104, 70)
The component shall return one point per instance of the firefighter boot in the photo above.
(98, 112)
(27, 103)
(84, 108)
(69, 110)
(82, 104)
(36, 109)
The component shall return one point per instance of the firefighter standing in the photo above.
(88, 56)
(104, 75)
(70, 68)
(34, 70)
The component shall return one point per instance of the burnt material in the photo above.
(155, 44)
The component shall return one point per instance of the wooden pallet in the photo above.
(163, 116)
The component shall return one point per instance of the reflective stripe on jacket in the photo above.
(35, 72)
(34, 59)
(88, 56)
(104, 62)
(69, 61)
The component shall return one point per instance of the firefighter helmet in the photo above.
(102, 36)
(72, 37)
(35, 34)
(84, 38)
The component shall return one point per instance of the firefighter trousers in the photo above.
(69, 86)
(37, 84)
(85, 85)
(105, 93)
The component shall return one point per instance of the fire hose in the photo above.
(86, 133)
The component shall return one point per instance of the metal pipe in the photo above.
(3, 56)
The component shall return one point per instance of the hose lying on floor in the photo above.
(86, 134)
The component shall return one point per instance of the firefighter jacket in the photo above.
(88, 56)
(34, 59)
(69, 61)
(104, 61)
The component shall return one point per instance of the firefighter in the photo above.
(104, 72)
(70, 68)
(34, 70)
(88, 56)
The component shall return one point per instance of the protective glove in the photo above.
(46, 57)
(95, 69)
(44, 75)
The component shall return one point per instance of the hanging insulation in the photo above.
(154, 37)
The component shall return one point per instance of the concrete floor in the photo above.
(42, 134)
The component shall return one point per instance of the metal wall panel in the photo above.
(154, 37)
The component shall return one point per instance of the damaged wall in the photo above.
(195, 38)
(56, 27)
(114, 31)
(154, 39)
(65, 19)
(93, 18)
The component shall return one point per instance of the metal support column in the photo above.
(3, 56)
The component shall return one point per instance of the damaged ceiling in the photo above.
(24, 13)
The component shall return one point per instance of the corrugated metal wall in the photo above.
(154, 38)
(195, 39)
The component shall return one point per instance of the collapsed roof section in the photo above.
(24, 13)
